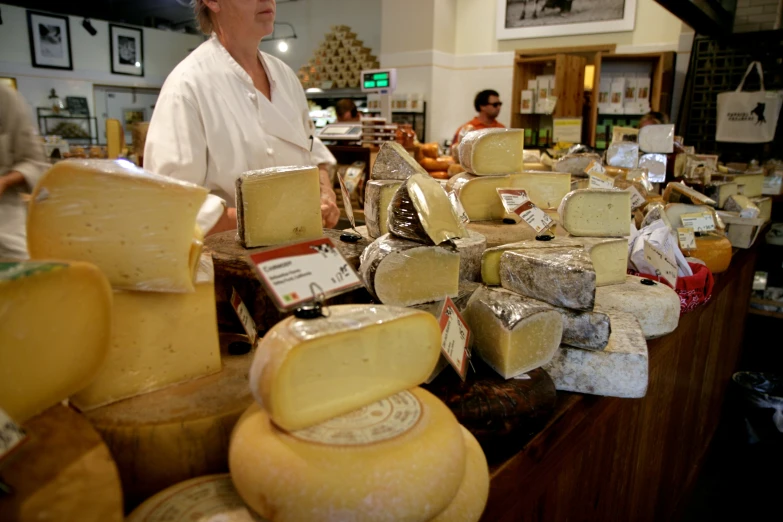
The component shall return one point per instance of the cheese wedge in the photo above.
(394, 162)
(377, 196)
(743, 205)
(139, 228)
(656, 306)
(491, 152)
(596, 213)
(576, 164)
(623, 154)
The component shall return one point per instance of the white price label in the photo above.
(11, 435)
(699, 222)
(663, 267)
(347, 201)
(599, 181)
(637, 200)
(244, 317)
(516, 203)
(455, 338)
(687, 238)
(303, 272)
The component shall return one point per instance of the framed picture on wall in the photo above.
(8, 82)
(538, 18)
(50, 40)
(127, 50)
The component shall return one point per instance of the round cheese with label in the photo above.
(400, 458)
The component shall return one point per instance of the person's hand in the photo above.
(9, 179)
(330, 213)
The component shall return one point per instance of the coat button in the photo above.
(270, 151)
(251, 95)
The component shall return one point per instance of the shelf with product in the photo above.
(76, 129)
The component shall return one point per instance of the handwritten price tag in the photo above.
(455, 338)
(244, 316)
(699, 221)
(687, 238)
(300, 273)
(637, 200)
(663, 267)
(11, 435)
(518, 205)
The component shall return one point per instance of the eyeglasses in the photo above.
(496, 104)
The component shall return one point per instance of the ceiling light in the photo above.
(282, 46)
(138, 64)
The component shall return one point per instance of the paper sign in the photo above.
(699, 221)
(517, 204)
(663, 267)
(455, 338)
(567, 130)
(637, 200)
(687, 238)
(297, 274)
(11, 435)
(459, 209)
(244, 317)
(347, 201)
(600, 181)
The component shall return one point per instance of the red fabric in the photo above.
(693, 290)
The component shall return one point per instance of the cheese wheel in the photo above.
(442, 163)
(181, 432)
(499, 233)
(401, 458)
(472, 496)
(656, 306)
(211, 498)
(63, 472)
(714, 250)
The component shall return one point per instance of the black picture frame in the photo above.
(49, 55)
(77, 105)
(126, 46)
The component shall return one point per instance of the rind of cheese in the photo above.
(679, 193)
(714, 250)
(211, 498)
(511, 333)
(157, 340)
(493, 152)
(576, 164)
(499, 233)
(63, 472)
(620, 370)
(73, 302)
(596, 213)
(420, 210)
(308, 371)
(162, 438)
(377, 196)
(559, 276)
(267, 215)
(394, 162)
(750, 185)
(471, 249)
(480, 199)
(139, 228)
(404, 273)
(293, 477)
(656, 307)
(721, 191)
(623, 154)
(657, 138)
(586, 330)
(743, 205)
(473, 493)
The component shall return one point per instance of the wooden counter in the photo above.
(608, 459)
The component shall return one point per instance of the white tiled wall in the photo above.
(757, 15)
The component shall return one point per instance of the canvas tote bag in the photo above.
(748, 117)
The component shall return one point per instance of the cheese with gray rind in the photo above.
(394, 162)
(405, 273)
(420, 210)
(576, 164)
(470, 249)
(619, 370)
(586, 330)
(656, 307)
(377, 196)
(559, 276)
(743, 205)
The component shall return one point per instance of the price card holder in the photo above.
(348, 237)
(304, 273)
(637, 200)
(600, 181)
(12, 436)
(244, 317)
(520, 208)
(663, 267)
(699, 221)
(455, 338)
(687, 238)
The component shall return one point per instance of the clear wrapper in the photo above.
(576, 164)
(394, 162)
(657, 139)
(676, 192)
(744, 206)
(655, 165)
(623, 154)
(509, 307)
(675, 210)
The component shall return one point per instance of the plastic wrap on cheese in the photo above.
(623, 154)
(657, 139)
(394, 162)
(655, 165)
(576, 164)
(681, 193)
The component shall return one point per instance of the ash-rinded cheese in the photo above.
(470, 249)
(492, 152)
(421, 211)
(576, 164)
(619, 370)
(586, 330)
(404, 273)
(211, 498)
(657, 138)
(139, 228)
(473, 493)
(267, 212)
(656, 307)
(721, 191)
(55, 324)
(309, 370)
(743, 205)
(157, 339)
(394, 162)
(596, 213)
(558, 276)
(400, 458)
(377, 196)
(608, 255)
(511, 333)
(623, 154)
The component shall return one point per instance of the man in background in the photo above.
(346, 111)
(487, 104)
(22, 164)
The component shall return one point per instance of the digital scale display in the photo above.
(377, 80)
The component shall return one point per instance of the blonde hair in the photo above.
(201, 11)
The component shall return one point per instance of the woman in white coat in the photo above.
(229, 108)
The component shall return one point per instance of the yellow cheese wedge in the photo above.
(400, 458)
(157, 339)
(139, 228)
(597, 213)
(54, 332)
(309, 370)
(491, 152)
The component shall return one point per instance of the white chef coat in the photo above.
(211, 124)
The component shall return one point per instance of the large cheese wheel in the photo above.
(401, 458)
(64, 472)
(499, 233)
(714, 250)
(234, 270)
(181, 432)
